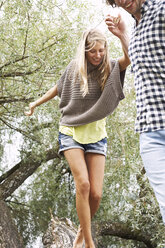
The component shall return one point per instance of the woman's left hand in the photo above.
(116, 25)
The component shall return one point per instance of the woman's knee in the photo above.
(83, 187)
(96, 196)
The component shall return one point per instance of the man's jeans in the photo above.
(152, 149)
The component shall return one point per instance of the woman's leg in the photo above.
(77, 163)
(95, 164)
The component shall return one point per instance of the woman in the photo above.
(89, 90)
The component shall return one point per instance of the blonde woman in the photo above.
(89, 90)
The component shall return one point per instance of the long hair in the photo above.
(111, 2)
(88, 41)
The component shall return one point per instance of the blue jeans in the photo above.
(152, 149)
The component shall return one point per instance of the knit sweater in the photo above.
(77, 110)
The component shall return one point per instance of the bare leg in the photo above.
(79, 240)
(96, 165)
(77, 163)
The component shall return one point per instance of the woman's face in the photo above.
(96, 54)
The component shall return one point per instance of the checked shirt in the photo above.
(147, 54)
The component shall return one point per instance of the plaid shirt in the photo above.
(147, 53)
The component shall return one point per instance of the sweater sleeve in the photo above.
(116, 68)
(63, 78)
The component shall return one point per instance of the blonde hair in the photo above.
(88, 41)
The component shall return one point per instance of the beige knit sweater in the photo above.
(77, 110)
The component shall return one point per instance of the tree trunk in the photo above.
(9, 236)
(61, 233)
(10, 181)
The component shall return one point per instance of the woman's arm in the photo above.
(46, 97)
(117, 27)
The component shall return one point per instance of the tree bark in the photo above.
(61, 233)
(10, 181)
(9, 236)
(124, 231)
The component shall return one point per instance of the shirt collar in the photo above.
(91, 67)
(146, 5)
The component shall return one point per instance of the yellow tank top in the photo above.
(88, 133)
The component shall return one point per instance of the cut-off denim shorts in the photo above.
(152, 149)
(66, 142)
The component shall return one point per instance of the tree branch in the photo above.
(13, 62)
(25, 57)
(17, 203)
(10, 99)
(24, 170)
(9, 172)
(124, 231)
(32, 137)
(19, 74)
(26, 36)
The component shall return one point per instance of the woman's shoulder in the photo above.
(72, 63)
(71, 66)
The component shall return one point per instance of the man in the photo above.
(147, 55)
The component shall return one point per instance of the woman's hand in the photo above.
(46, 97)
(116, 25)
(32, 106)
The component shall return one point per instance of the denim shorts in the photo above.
(66, 142)
(152, 149)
